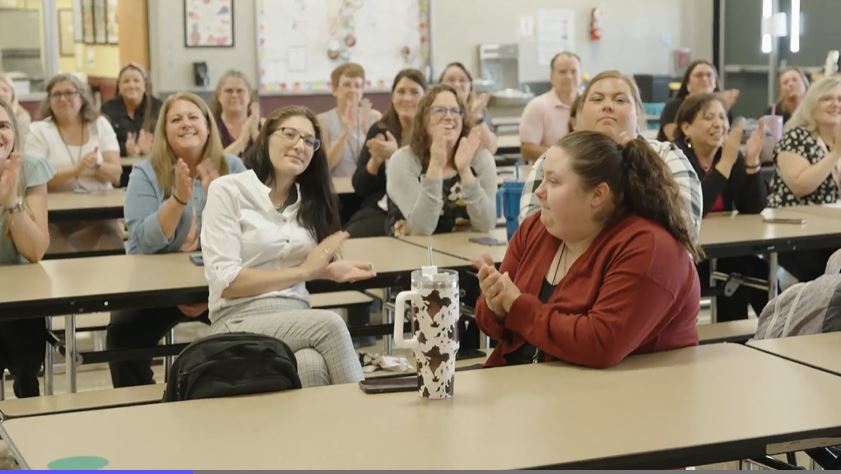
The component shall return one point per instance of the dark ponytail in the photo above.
(638, 178)
(651, 192)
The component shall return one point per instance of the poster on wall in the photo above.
(88, 36)
(555, 33)
(99, 21)
(208, 23)
(112, 29)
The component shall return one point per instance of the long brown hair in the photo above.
(639, 179)
(163, 159)
(420, 141)
(319, 207)
(390, 119)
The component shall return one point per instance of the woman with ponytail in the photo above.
(604, 270)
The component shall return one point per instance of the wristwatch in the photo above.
(17, 207)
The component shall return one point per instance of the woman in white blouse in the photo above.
(82, 148)
(267, 232)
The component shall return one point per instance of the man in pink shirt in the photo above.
(546, 117)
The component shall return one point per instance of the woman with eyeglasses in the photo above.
(384, 138)
(23, 238)
(456, 76)
(81, 146)
(345, 125)
(443, 180)
(270, 230)
(701, 77)
(133, 112)
(236, 112)
(164, 201)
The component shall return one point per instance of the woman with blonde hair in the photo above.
(164, 202)
(81, 146)
(7, 93)
(808, 160)
(24, 237)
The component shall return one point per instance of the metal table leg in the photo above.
(713, 311)
(388, 318)
(70, 353)
(773, 266)
(49, 370)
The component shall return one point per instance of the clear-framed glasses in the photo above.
(440, 112)
(67, 95)
(292, 136)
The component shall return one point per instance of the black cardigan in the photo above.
(746, 192)
(368, 187)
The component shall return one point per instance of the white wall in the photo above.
(638, 35)
(172, 63)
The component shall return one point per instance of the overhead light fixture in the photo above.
(767, 7)
(794, 44)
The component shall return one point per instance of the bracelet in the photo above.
(755, 167)
(183, 203)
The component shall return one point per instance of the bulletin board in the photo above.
(300, 41)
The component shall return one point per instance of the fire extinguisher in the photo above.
(595, 25)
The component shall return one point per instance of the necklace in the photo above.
(561, 260)
(77, 185)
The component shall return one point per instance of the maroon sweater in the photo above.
(634, 290)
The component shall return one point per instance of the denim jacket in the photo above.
(145, 196)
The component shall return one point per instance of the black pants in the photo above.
(805, 265)
(137, 329)
(735, 307)
(23, 345)
(367, 222)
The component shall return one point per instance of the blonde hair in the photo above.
(346, 69)
(628, 80)
(804, 115)
(163, 159)
(16, 107)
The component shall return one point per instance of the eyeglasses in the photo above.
(292, 136)
(67, 95)
(441, 112)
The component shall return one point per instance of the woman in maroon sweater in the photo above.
(605, 270)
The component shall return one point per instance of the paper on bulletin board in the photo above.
(555, 33)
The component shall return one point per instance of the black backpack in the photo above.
(232, 364)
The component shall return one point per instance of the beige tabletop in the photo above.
(723, 229)
(343, 185)
(826, 210)
(64, 402)
(508, 142)
(656, 410)
(129, 161)
(98, 276)
(72, 201)
(817, 350)
(458, 244)
(389, 255)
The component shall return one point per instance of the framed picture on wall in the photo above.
(65, 32)
(77, 21)
(112, 28)
(208, 23)
(88, 36)
(100, 21)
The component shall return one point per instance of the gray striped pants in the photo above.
(319, 339)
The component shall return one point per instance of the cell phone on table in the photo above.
(197, 259)
(406, 383)
(784, 220)
(487, 241)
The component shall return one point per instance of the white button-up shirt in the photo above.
(241, 228)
